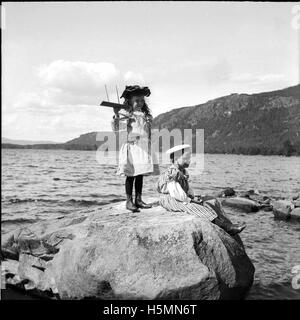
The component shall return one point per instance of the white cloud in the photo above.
(59, 124)
(270, 77)
(33, 101)
(134, 78)
(77, 76)
(74, 83)
(66, 104)
(257, 79)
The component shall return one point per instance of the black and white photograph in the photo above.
(150, 153)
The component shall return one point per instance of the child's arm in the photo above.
(176, 191)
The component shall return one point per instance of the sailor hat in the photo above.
(177, 148)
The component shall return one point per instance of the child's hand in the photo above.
(199, 198)
(116, 111)
(197, 202)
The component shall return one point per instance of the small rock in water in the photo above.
(253, 191)
(255, 196)
(228, 192)
(282, 209)
(295, 214)
(296, 203)
(241, 203)
(15, 280)
(30, 285)
(260, 199)
(266, 199)
(266, 207)
(297, 196)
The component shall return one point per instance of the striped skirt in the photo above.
(202, 211)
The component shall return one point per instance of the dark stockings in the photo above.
(129, 185)
(138, 184)
(139, 203)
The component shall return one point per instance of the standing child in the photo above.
(136, 158)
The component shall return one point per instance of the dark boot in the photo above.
(128, 187)
(138, 193)
(229, 227)
(130, 205)
(140, 203)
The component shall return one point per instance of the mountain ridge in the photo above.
(261, 123)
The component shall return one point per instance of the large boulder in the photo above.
(111, 253)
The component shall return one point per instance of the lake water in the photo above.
(39, 184)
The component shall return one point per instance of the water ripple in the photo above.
(42, 184)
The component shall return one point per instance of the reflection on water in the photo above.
(38, 184)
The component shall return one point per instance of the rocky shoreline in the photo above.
(287, 209)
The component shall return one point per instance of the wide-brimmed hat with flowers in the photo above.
(135, 90)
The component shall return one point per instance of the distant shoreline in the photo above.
(265, 123)
(78, 147)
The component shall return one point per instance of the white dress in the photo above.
(136, 156)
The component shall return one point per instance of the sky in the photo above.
(57, 58)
